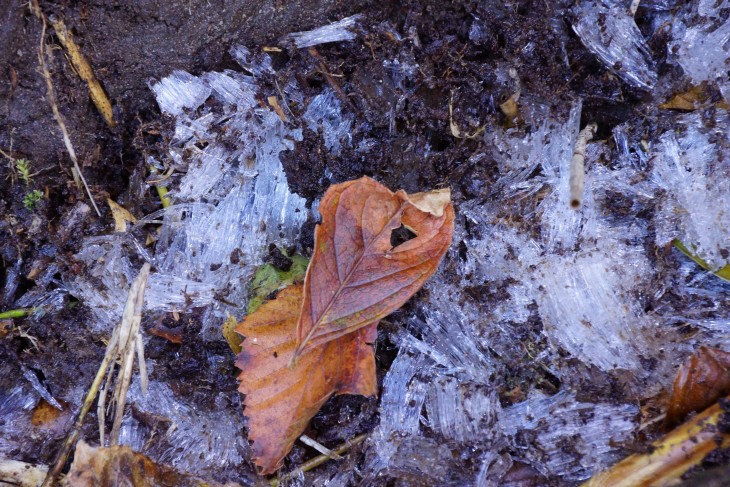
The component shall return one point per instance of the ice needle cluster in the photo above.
(546, 328)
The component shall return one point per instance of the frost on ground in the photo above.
(231, 199)
(233, 187)
(608, 30)
(571, 291)
(546, 329)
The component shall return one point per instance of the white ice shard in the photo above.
(693, 167)
(702, 46)
(609, 31)
(334, 32)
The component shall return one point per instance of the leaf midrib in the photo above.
(343, 285)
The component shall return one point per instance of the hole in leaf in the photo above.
(400, 236)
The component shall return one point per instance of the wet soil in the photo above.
(461, 50)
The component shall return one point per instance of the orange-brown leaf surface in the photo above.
(281, 400)
(356, 276)
(701, 380)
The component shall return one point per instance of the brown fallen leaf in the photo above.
(356, 276)
(121, 216)
(281, 400)
(120, 465)
(701, 380)
(51, 420)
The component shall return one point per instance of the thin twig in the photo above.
(328, 76)
(577, 166)
(319, 447)
(84, 70)
(54, 105)
(317, 461)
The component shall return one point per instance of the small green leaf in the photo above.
(31, 199)
(269, 279)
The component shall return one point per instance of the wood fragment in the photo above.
(83, 68)
(577, 166)
(21, 474)
(673, 455)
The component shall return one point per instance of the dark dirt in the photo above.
(131, 43)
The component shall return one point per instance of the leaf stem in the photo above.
(16, 313)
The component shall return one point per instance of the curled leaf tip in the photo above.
(433, 202)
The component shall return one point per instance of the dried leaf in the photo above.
(692, 99)
(356, 276)
(121, 216)
(119, 465)
(281, 400)
(701, 380)
(50, 419)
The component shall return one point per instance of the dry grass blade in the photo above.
(123, 343)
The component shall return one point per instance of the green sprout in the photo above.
(23, 168)
(31, 199)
